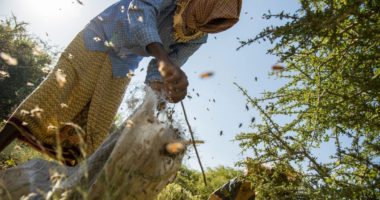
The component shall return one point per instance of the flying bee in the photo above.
(206, 75)
(80, 2)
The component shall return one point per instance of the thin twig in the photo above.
(193, 140)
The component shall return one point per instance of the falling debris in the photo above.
(206, 75)
(240, 125)
(198, 94)
(246, 107)
(190, 97)
(221, 133)
(142, 69)
(256, 78)
(8, 59)
(60, 77)
(195, 118)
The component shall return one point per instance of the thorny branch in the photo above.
(319, 169)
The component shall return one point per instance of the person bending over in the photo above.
(73, 109)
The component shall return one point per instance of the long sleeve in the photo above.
(179, 54)
(142, 18)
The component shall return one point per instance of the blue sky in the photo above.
(58, 21)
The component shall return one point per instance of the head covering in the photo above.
(195, 18)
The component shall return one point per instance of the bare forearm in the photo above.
(157, 50)
(174, 79)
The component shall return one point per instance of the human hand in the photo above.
(175, 81)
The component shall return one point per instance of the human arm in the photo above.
(178, 55)
(174, 80)
(142, 18)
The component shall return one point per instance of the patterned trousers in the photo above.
(71, 112)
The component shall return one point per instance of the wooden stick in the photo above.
(193, 140)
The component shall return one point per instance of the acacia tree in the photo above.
(331, 52)
(189, 184)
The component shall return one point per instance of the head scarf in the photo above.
(195, 18)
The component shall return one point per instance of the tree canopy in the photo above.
(330, 51)
(189, 185)
(23, 60)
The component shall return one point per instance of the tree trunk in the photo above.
(131, 164)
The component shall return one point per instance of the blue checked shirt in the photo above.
(127, 27)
